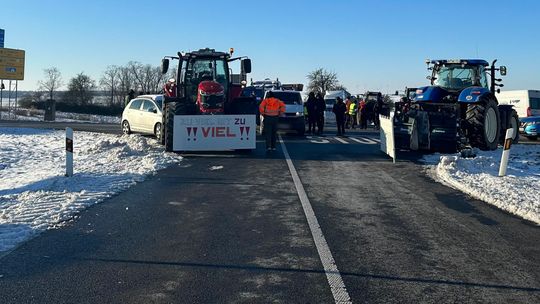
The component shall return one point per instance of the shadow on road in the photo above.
(302, 270)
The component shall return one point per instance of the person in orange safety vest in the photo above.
(271, 108)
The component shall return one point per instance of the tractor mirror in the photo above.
(502, 69)
(164, 65)
(246, 66)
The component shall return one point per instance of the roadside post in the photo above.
(69, 152)
(387, 136)
(506, 152)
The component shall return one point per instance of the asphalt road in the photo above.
(241, 234)
(76, 126)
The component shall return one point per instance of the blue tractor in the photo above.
(459, 110)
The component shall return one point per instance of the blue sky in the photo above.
(376, 45)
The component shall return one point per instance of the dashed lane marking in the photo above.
(364, 140)
(339, 291)
(341, 140)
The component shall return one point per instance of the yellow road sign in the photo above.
(11, 64)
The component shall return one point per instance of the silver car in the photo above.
(143, 114)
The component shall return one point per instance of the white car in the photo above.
(293, 118)
(143, 114)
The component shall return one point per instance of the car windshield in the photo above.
(458, 77)
(330, 101)
(288, 97)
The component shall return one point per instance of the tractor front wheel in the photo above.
(170, 110)
(484, 124)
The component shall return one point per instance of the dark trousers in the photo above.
(320, 123)
(363, 120)
(312, 120)
(340, 120)
(376, 121)
(270, 130)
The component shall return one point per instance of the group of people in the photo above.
(350, 113)
(315, 107)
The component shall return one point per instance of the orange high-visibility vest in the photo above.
(272, 107)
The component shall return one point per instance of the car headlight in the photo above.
(298, 114)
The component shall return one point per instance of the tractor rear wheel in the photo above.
(484, 124)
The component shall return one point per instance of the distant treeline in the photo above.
(86, 95)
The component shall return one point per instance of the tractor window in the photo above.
(482, 78)
(221, 74)
(454, 77)
(205, 69)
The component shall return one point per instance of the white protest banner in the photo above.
(214, 132)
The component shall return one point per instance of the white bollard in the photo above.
(506, 151)
(69, 151)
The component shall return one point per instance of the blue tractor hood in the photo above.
(431, 93)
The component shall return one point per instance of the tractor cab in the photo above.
(456, 75)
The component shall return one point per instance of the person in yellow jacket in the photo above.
(271, 108)
(351, 123)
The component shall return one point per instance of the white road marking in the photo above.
(363, 140)
(317, 140)
(339, 291)
(341, 140)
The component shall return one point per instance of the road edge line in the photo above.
(333, 276)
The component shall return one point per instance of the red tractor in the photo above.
(204, 87)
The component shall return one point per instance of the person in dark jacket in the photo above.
(340, 109)
(129, 97)
(311, 112)
(320, 107)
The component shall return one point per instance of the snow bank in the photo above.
(518, 192)
(35, 195)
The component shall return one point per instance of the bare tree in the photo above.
(110, 81)
(147, 78)
(52, 81)
(80, 89)
(321, 80)
(126, 83)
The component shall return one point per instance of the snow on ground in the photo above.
(38, 115)
(518, 192)
(35, 195)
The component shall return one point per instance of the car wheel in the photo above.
(158, 131)
(125, 127)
